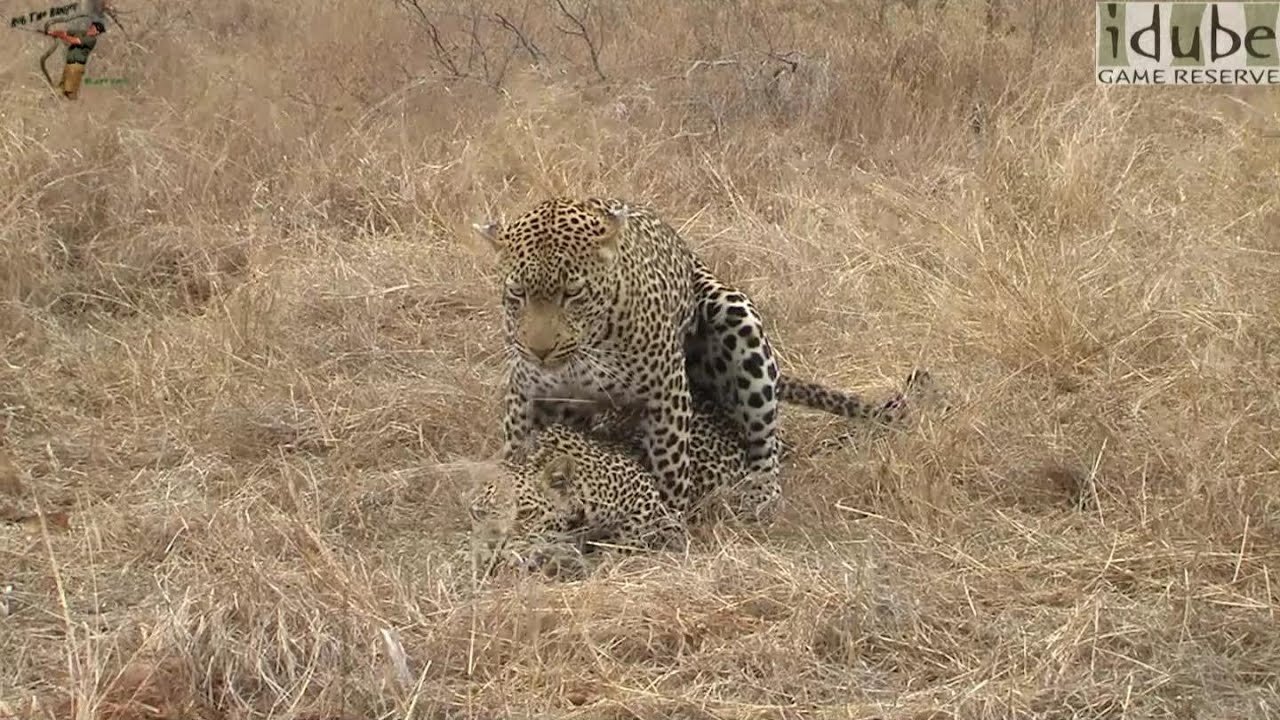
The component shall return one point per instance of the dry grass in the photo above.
(246, 341)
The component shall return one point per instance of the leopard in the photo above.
(581, 489)
(598, 296)
(573, 494)
(606, 306)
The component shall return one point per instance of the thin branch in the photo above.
(443, 56)
(582, 32)
(534, 53)
(698, 65)
(297, 97)
(477, 47)
(788, 58)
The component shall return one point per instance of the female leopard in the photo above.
(572, 493)
(579, 489)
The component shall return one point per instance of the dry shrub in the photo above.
(248, 349)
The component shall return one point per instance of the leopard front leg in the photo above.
(517, 423)
(665, 433)
(660, 532)
(526, 412)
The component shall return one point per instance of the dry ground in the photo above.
(248, 343)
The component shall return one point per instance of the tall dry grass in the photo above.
(248, 342)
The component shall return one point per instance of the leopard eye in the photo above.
(515, 291)
(574, 288)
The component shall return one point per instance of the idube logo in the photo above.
(1187, 43)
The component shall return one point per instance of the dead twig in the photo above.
(442, 54)
(521, 37)
(580, 30)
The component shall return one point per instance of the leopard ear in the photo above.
(491, 233)
(615, 222)
(558, 473)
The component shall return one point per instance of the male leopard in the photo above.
(597, 300)
(605, 305)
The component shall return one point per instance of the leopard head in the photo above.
(527, 517)
(559, 266)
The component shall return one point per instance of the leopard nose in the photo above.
(541, 352)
